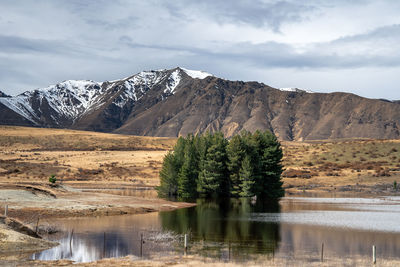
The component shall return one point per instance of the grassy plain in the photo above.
(82, 160)
(31, 155)
(90, 159)
(354, 165)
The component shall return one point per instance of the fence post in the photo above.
(6, 210)
(229, 251)
(322, 252)
(70, 241)
(374, 254)
(141, 244)
(37, 225)
(104, 245)
(185, 244)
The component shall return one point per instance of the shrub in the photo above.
(52, 179)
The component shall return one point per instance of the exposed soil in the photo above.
(18, 237)
(34, 204)
(27, 202)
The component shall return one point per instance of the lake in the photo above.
(240, 230)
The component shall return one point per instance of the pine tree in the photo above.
(248, 165)
(270, 154)
(168, 176)
(179, 151)
(247, 178)
(188, 174)
(213, 177)
(235, 152)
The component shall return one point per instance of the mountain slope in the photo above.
(179, 101)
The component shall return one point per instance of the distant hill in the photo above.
(179, 101)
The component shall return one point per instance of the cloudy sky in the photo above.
(319, 45)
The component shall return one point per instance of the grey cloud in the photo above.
(103, 40)
(253, 12)
(119, 23)
(15, 44)
(27, 46)
(279, 55)
(386, 32)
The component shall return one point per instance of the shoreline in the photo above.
(29, 200)
(196, 260)
(48, 194)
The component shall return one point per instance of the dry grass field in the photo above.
(369, 166)
(90, 159)
(78, 157)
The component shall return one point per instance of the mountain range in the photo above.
(178, 101)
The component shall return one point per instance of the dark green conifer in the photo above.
(248, 165)
(235, 152)
(187, 176)
(247, 178)
(168, 176)
(213, 177)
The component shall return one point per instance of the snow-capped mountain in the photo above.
(66, 100)
(180, 101)
(65, 103)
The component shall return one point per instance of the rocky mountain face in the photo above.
(2, 94)
(178, 101)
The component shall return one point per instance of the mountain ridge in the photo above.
(179, 101)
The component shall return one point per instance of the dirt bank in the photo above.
(28, 202)
(18, 240)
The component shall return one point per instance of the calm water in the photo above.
(240, 230)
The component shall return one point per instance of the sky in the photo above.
(319, 45)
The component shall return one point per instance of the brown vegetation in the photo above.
(89, 159)
(358, 164)
(33, 154)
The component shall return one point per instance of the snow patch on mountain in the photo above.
(290, 89)
(20, 105)
(172, 82)
(2, 94)
(196, 74)
(71, 98)
(138, 85)
(68, 99)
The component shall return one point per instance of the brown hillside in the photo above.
(219, 105)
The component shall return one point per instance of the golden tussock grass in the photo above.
(33, 154)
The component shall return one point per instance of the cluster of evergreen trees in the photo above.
(211, 166)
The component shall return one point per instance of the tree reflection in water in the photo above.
(219, 225)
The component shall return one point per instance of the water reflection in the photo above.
(90, 239)
(227, 222)
(238, 229)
